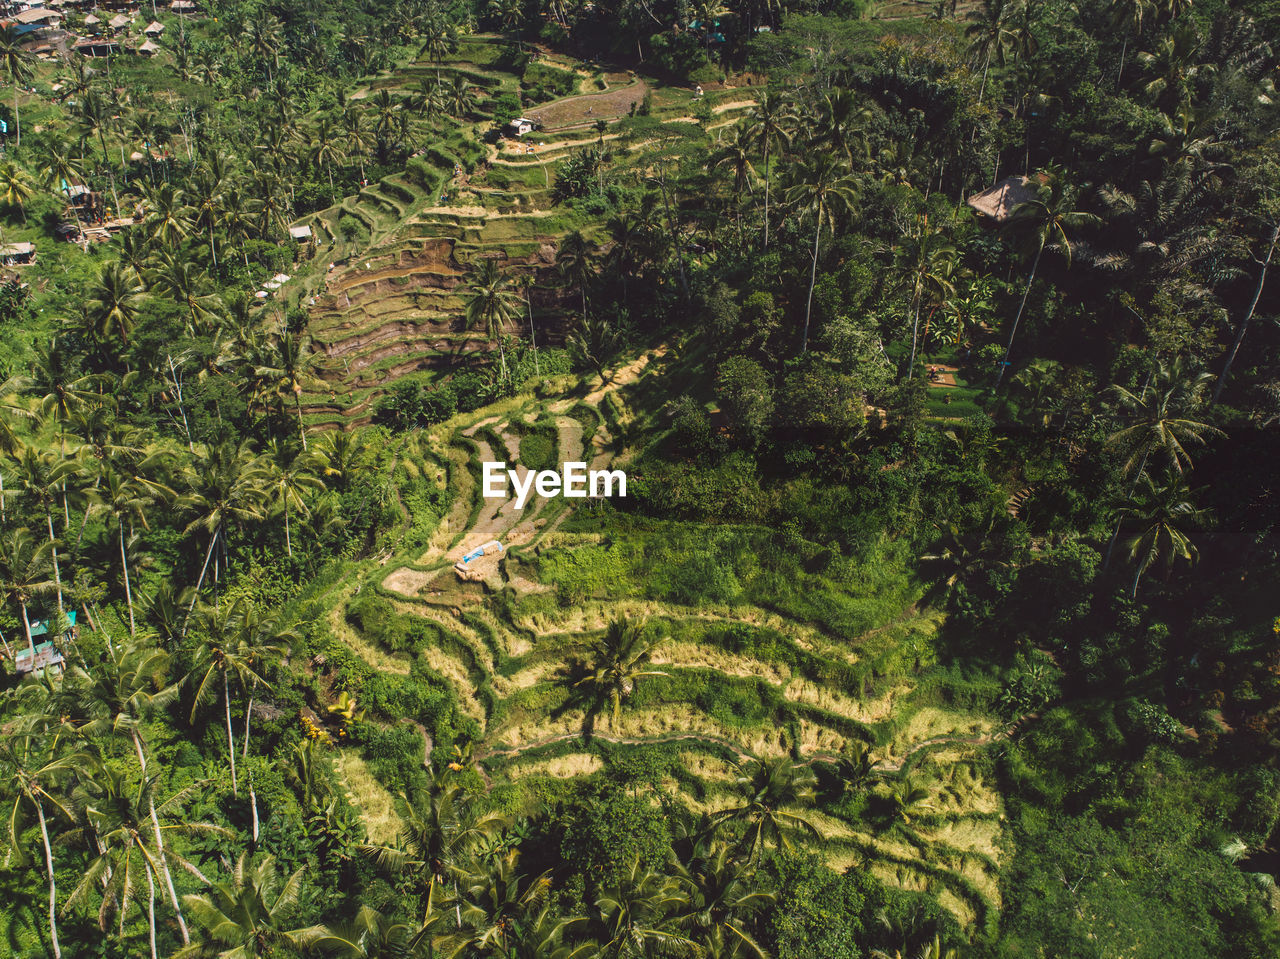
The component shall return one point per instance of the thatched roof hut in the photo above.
(998, 203)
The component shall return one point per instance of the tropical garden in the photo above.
(938, 345)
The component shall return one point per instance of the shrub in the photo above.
(352, 229)
(537, 452)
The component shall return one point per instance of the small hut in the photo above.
(998, 203)
(17, 254)
(519, 127)
(119, 24)
(300, 233)
(154, 29)
(148, 49)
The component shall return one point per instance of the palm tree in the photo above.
(1271, 207)
(722, 897)
(15, 186)
(29, 772)
(619, 658)
(288, 478)
(440, 829)
(126, 499)
(225, 487)
(964, 552)
(1046, 221)
(42, 475)
(113, 301)
(356, 136)
(127, 686)
(1159, 424)
(459, 98)
(927, 261)
(493, 303)
(369, 935)
(439, 38)
(1128, 16)
(771, 120)
(767, 788)
(244, 917)
(186, 284)
(636, 917)
(821, 189)
(208, 186)
(495, 904)
(1161, 515)
(115, 815)
(905, 799)
(167, 217)
(991, 35)
(16, 65)
(327, 149)
(286, 371)
(238, 642)
(24, 572)
(575, 262)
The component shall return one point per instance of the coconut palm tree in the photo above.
(237, 642)
(822, 188)
(16, 64)
(326, 149)
(492, 304)
(243, 917)
(130, 684)
(167, 216)
(30, 772)
(179, 278)
(126, 499)
(904, 800)
(767, 788)
(618, 659)
(637, 917)
(1047, 222)
(1129, 17)
(926, 259)
(575, 262)
(991, 35)
(1161, 515)
(440, 830)
(439, 38)
(24, 572)
(771, 120)
(123, 821)
(113, 301)
(1160, 426)
(225, 485)
(722, 897)
(285, 371)
(496, 904)
(288, 478)
(16, 186)
(369, 935)
(42, 476)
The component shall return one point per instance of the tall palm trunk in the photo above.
(53, 885)
(231, 743)
(213, 250)
(302, 429)
(26, 622)
(128, 590)
(1244, 324)
(155, 828)
(253, 796)
(982, 89)
(151, 909)
(813, 278)
(766, 193)
(200, 580)
(57, 573)
(1004, 365)
(17, 120)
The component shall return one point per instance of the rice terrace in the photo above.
(545, 479)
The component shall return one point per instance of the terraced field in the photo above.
(748, 678)
(389, 270)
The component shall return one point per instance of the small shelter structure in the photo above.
(38, 17)
(300, 233)
(148, 48)
(17, 254)
(518, 127)
(999, 202)
(119, 24)
(154, 29)
(93, 22)
(182, 6)
(97, 48)
(47, 656)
